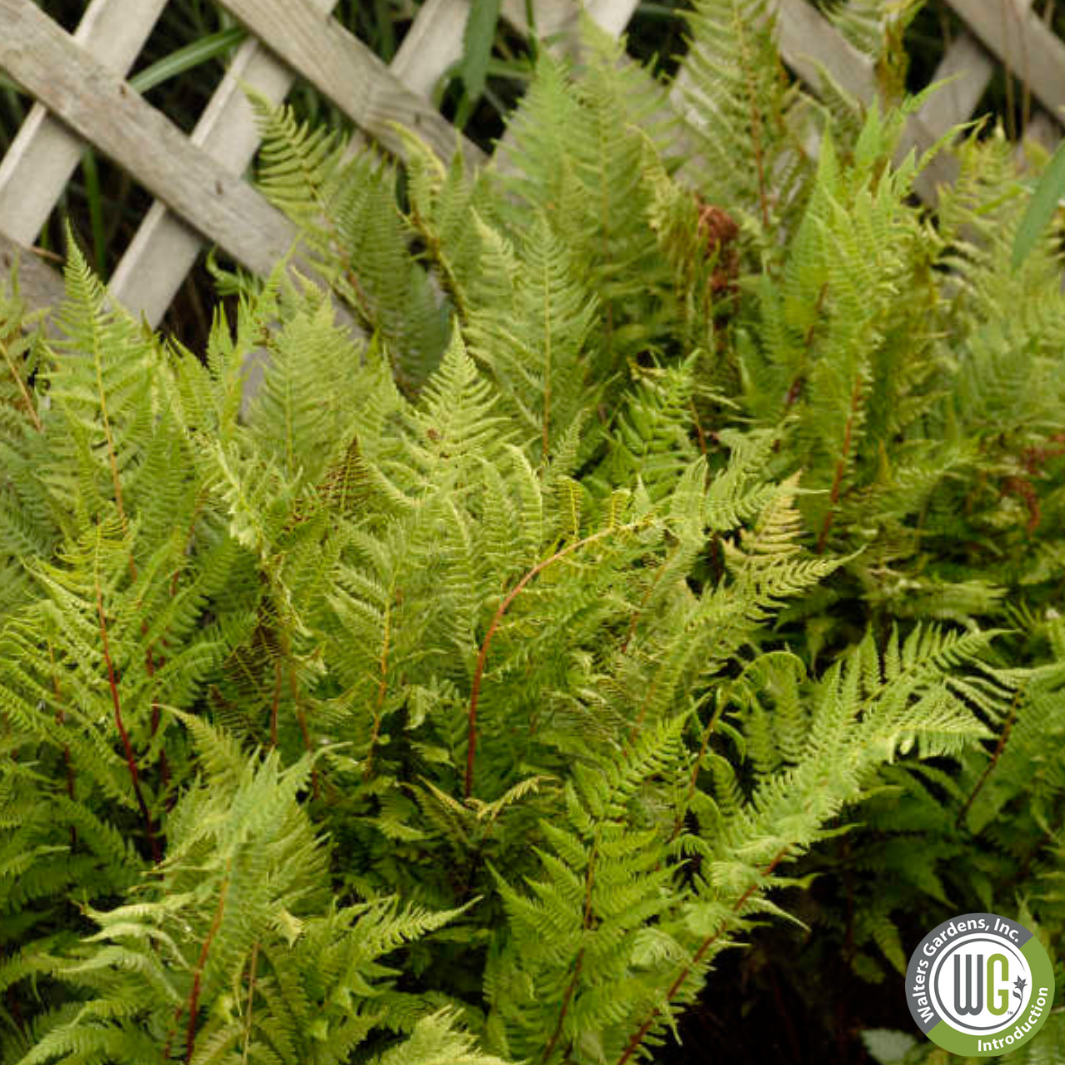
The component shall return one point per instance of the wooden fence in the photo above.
(198, 182)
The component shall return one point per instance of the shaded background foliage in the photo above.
(186, 56)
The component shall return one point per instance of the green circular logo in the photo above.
(979, 984)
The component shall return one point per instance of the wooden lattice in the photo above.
(198, 182)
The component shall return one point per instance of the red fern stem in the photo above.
(638, 1036)
(567, 998)
(841, 466)
(475, 693)
(127, 747)
(197, 977)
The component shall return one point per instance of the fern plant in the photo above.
(914, 372)
(421, 632)
(465, 691)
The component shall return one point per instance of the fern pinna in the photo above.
(463, 691)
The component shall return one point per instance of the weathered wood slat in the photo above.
(970, 69)
(200, 179)
(435, 40)
(558, 22)
(432, 44)
(342, 68)
(555, 17)
(39, 285)
(1041, 130)
(100, 106)
(612, 15)
(164, 248)
(810, 43)
(813, 47)
(44, 153)
(1015, 33)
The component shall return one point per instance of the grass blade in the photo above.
(477, 49)
(184, 59)
(1044, 203)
